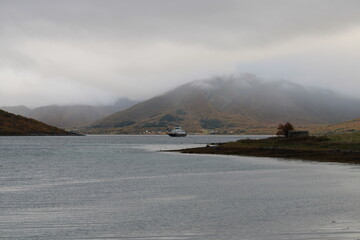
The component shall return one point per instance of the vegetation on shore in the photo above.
(16, 125)
(343, 148)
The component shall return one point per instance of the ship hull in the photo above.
(177, 135)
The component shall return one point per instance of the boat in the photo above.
(177, 132)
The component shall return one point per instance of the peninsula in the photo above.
(341, 148)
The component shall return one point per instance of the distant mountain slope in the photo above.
(344, 127)
(71, 116)
(18, 110)
(15, 125)
(234, 103)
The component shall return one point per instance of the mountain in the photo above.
(16, 125)
(70, 116)
(344, 127)
(18, 110)
(233, 103)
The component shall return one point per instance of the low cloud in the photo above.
(94, 51)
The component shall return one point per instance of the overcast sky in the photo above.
(93, 51)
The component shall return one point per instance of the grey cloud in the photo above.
(193, 22)
(143, 47)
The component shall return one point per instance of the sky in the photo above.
(94, 51)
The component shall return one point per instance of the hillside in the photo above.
(234, 104)
(70, 116)
(15, 125)
(344, 127)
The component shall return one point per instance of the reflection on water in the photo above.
(121, 187)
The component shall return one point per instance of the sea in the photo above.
(124, 187)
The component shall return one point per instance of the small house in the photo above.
(294, 133)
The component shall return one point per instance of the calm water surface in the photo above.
(122, 187)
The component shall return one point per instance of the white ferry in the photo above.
(177, 132)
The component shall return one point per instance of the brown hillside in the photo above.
(15, 125)
(345, 127)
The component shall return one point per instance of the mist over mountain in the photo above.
(235, 102)
(70, 116)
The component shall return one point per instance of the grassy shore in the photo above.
(342, 148)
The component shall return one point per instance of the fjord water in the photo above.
(122, 187)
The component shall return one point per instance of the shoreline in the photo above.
(292, 149)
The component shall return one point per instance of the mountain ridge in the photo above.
(233, 104)
(70, 116)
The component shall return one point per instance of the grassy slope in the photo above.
(340, 141)
(336, 148)
(348, 126)
(15, 125)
